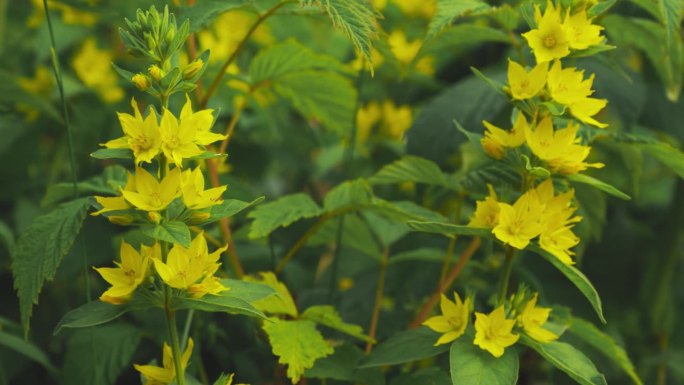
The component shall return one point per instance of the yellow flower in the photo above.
(128, 274)
(581, 33)
(40, 83)
(453, 321)
(557, 237)
(228, 31)
(150, 194)
(532, 320)
(487, 211)
(584, 109)
(366, 118)
(164, 375)
(559, 149)
(201, 121)
(396, 120)
(521, 222)
(116, 203)
(567, 85)
(94, 68)
(140, 135)
(420, 8)
(493, 332)
(178, 140)
(406, 52)
(497, 140)
(192, 269)
(140, 81)
(549, 40)
(194, 194)
(524, 85)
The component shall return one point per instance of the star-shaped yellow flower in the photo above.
(524, 85)
(520, 222)
(152, 195)
(453, 321)
(164, 375)
(581, 33)
(486, 211)
(497, 140)
(532, 320)
(129, 273)
(549, 40)
(493, 332)
(140, 135)
(194, 194)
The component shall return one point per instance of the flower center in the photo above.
(549, 41)
(173, 142)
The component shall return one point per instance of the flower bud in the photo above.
(192, 69)
(156, 72)
(154, 216)
(170, 34)
(141, 82)
(123, 220)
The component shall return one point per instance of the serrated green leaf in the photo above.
(281, 303)
(297, 344)
(26, 349)
(112, 153)
(355, 18)
(568, 359)
(449, 230)
(576, 277)
(108, 183)
(347, 195)
(603, 186)
(407, 346)
(175, 232)
(327, 315)
(83, 365)
(471, 365)
(602, 342)
(281, 213)
(413, 169)
(40, 249)
(449, 10)
(286, 58)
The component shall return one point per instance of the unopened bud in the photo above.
(122, 220)
(154, 216)
(192, 69)
(156, 72)
(199, 217)
(170, 34)
(141, 82)
(151, 43)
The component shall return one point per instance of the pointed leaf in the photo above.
(281, 213)
(407, 346)
(327, 315)
(603, 186)
(448, 10)
(448, 229)
(413, 169)
(175, 232)
(471, 365)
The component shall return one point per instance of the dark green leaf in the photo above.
(407, 346)
(668, 155)
(112, 153)
(108, 183)
(173, 231)
(327, 315)
(576, 277)
(26, 349)
(413, 169)
(40, 249)
(221, 303)
(448, 10)
(228, 208)
(348, 195)
(603, 186)
(568, 359)
(471, 365)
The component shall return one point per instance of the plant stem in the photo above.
(375, 315)
(447, 259)
(175, 346)
(448, 281)
(506, 274)
(231, 125)
(217, 80)
(186, 328)
(301, 242)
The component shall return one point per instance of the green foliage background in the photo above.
(342, 205)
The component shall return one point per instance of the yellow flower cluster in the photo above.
(393, 121)
(177, 138)
(189, 269)
(93, 66)
(493, 331)
(538, 212)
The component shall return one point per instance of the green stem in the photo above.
(186, 329)
(506, 274)
(379, 290)
(175, 345)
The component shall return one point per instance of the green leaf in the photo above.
(281, 303)
(27, 350)
(220, 303)
(297, 344)
(413, 169)
(471, 365)
(671, 15)
(86, 363)
(309, 81)
(568, 359)
(205, 12)
(407, 346)
(247, 291)
(228, 208)
(600, 8)
(281, 213)
(341, 366)
(602, 342)
(327, 315)
(208, 155)
(40, 249)
(667, 155)
(97, 312)
(603, 186)
(355, 18)
(576, 277)
(108, 183)
(462, 38)
(448, 229)
(448, 10)
(348, 195)
(112, 153)
(173, 231)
